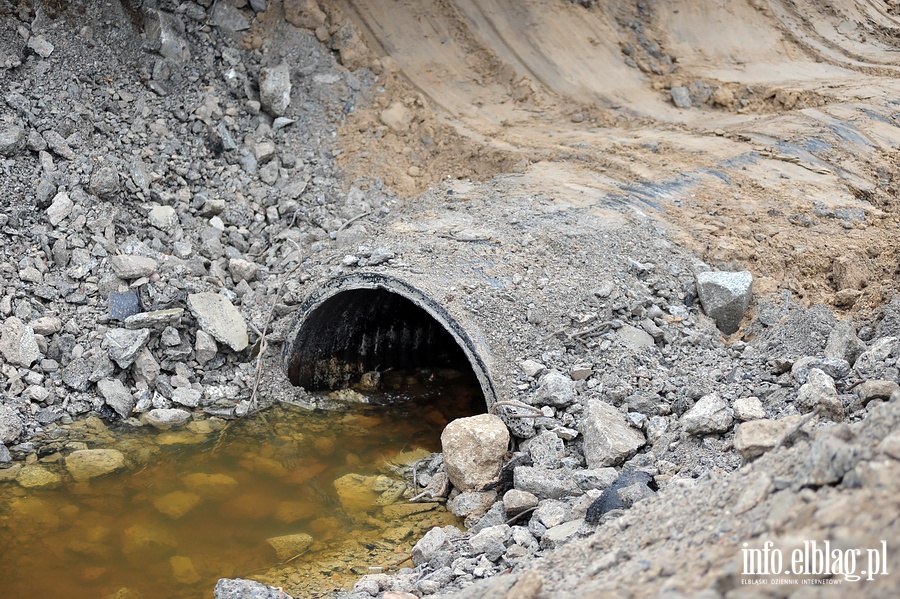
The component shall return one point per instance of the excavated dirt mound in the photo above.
(760, 134)
(779, 157)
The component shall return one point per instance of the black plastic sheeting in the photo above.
(360, 330)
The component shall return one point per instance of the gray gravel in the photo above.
(144, 199)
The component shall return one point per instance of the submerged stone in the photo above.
(355, 492)
(183, 570)
(238, 588)
(146, 542)
(177, 504)
(213, 486)
(86, 464)
(288, 546)
(35, 476)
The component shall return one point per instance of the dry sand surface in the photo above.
(784, 164)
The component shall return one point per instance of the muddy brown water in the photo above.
(197, 507)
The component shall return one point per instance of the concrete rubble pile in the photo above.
(151, 209)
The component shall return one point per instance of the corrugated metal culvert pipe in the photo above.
(370, 321)
(481, 277)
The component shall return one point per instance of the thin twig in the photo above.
(597, 329)
(405, 559)
(453, 237)
(520, 514)
(427, 496)
(279, 564)
(555, 333)
(353, 220)
(263, 344)
(793, 430)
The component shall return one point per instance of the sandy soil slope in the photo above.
(784, 163)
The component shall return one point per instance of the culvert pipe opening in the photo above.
(356, 327)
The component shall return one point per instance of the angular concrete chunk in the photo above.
(60, 209)
(634, 337)
(156, 318)
(819, 392)
(756, 437)
(163, 217)
(10, 424)
(608, 438)
(12, 140)
(18, 343)
(218, 317)
(123, 344)
(275, 89)
(133, 267)
(434, 541)
(116, 396)
(709, 415)
(725, 297)
(555, 388)
(474, 449)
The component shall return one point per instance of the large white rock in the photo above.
(819, 392)
(474, 449)
(116, 396)
(163, 217)
(166, 418)
(709, 415)
(18, 343)
(608, 438)
(60, 209)
(10, 424)
(133, 267)
(433, 542)
(275, 89)
(218, 317)
(725, 297)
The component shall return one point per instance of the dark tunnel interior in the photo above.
(361, 330)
